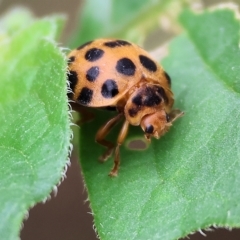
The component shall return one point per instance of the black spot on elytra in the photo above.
(72, 78)
(126, 67)
(94, 54)
(71, 59)
(151, 97)
(117, 43)
(168, 79)
(148, 63)
(149, 129)
(109, 89)
(133, 112)
(137, 100)
(85, 96)
(92, 74)
(84, 45)
(162, 93)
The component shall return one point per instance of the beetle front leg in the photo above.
(103, 132)
(121, 137)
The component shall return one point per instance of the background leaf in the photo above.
(34, 123)
(13, 21)
(121, 19)
(189, 179)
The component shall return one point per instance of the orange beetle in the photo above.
(119, 74)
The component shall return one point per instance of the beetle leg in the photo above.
(102, 133)
(85, 115)
(121, 137)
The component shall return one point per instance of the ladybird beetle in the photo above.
(111, 73)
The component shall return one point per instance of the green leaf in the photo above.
(189, 179)
(13, 21)
(34, 123)
(121, 19)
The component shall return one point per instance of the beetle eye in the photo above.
(167, 117)
(149, 129)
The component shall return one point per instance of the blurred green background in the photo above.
(67, 216)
